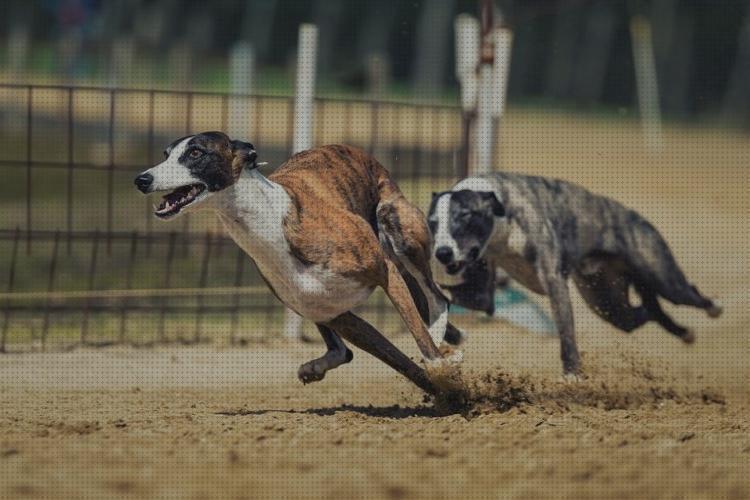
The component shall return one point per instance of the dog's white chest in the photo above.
(312, 291)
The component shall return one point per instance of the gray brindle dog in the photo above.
(543, 231)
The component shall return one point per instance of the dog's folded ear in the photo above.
(243, 156)
(498, 209)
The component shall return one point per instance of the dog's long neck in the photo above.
(253, 210)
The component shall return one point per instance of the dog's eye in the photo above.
(196, 153)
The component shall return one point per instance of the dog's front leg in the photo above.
(363, 335)
(336, 355)
(556, 285)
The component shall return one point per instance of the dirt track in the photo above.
(656, 418)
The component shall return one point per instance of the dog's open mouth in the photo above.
(173, 202)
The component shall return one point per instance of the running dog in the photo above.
(325, 229)
(542, 231)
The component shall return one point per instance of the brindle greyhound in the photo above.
(541, 231)
(325, 229)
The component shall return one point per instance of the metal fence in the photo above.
(81, 257)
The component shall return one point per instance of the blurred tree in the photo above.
(736, 105)
(594, 54)
(257, 22)
(433, 42)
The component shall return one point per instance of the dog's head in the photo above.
(461, 223)
(195, 167)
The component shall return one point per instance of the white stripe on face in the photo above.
(171, 174)
(442, 235)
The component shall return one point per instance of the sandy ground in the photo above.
(654, 419)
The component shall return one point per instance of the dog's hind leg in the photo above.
(651, 302)
(659, 269)
(336, 355)
(606, 292)
(363, 335)
(406, 239)
(683, 293)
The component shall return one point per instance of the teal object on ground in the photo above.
(515, 306)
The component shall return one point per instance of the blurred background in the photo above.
(642, 100)
(571, 53)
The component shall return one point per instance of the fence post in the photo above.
(50, 287)
(239, 270)
(305, 87)
(647, 83)
(503, 39)
(303, 126)
(483, 130)
(11, 283)
(111, 172)
(203, 280)
(91, 281)
(467, 58)
(128, 286)
(167, 283)
(29, 130)
(241, 67)
(71, 161)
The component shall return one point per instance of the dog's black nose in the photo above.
(444, 254)
(143, 182)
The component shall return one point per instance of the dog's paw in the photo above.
(688, 337)
(449, 353)
(573, 378)
(714, 311)
(312, 371)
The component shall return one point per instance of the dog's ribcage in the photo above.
(312, 291)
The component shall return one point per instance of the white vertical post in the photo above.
(303, 126)
(241, 67)
(467, 58)
(503, 38)
(483, 129)
(305, 87)
(646, 83)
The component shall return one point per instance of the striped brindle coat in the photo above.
(325, 229)
(543, 231)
